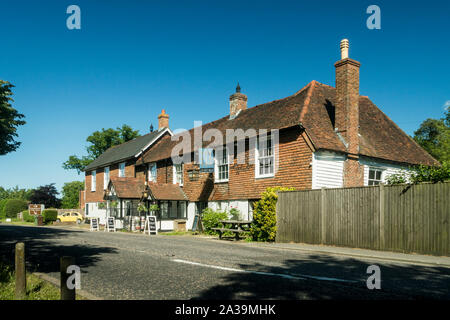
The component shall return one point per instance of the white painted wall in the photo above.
(387, 168)
(95, 212)
(327, 170)
(190, 215)
(243, 206)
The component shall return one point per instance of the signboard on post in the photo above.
(94, 224)
(36, 209)
(150, 225)
(110, 224)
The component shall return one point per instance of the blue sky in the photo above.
(132, 58)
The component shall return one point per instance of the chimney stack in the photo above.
(238, 102)
(163, 120)
(347, 112)
(347, 99)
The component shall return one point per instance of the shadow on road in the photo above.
(397, 281)
(42, 252)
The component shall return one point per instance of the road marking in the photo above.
(287, 276)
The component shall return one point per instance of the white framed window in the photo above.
(152, 172)
(93, 180)
(221, 165)
(105, 178)
(265, 159)
(122, 169)
(375, 176)
(178, 174)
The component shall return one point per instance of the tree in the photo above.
(434, 136)
(70, 194)
(15, 193)
(46, 195)
(9, 120)
(100, 141)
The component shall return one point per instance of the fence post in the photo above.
(382, 241)
(21, 276)
(66, 293)
(323, 213)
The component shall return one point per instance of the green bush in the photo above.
(14, 206)
(235, 214)
(27, 216)
(211, 219)
(264, 225)
(420, 174)
(2, 207)
(49, 215)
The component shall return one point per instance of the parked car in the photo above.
(70, 217)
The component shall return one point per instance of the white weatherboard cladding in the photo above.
(387, 168)
(327, 170)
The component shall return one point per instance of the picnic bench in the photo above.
(236, 226)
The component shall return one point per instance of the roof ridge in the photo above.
(311, 85)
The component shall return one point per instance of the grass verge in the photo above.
(37, 289)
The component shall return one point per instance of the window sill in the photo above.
(265, 176)
(221, 181)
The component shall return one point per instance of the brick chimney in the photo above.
(238, 102)
(163, 120)
(347, 113)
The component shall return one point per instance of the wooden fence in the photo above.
(393, 218)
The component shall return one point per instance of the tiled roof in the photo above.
(313, 108)
(127, 187)
(123, 151)
(166, 191)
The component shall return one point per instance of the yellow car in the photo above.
(70, 217)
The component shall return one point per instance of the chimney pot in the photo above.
(163, 120)
(344, 48)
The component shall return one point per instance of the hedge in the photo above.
(49, 215)
(2, 207)
(27, 216)
(14, 206)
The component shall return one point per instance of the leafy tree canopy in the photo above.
(10, 119)
(15, 193)
(434, 136)
(46, 195)
(70, 194)
(99, 142)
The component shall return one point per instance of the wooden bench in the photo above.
(236, 227)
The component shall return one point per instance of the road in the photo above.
(131, 266)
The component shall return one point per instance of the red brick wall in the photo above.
(294, 171)
(97, 195)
